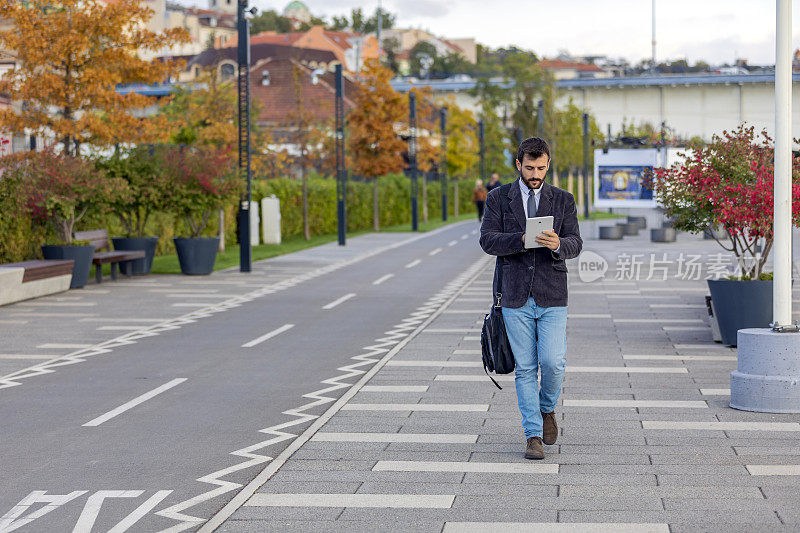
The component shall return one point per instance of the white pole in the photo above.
(782, 244)
(654, 35)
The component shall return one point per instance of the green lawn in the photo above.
(168, 264)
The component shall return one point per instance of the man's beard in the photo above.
(532, 183)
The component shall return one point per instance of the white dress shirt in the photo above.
(537, 193)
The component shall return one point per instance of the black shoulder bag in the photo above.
(495, 348)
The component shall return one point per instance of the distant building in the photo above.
(569, 70)
(272, 81)
(408, 38)
(298, 13)
(350, 49)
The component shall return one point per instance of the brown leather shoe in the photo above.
(534, 449)
(549, 427)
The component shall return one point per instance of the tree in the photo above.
(361, 24)
(391, 47)
(421, 58)
(301, 120)
(495, 142)
(61, 189)
(270, 20)
(69, 61)
(428, 152)
(375, 147)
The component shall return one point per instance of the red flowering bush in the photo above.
(61, 189)
(728, 183)
(202, 181)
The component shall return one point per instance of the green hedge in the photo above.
(20, 237)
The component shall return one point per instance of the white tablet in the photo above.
(535, 226)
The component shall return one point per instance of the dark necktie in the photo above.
(531, 205)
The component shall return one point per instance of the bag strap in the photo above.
(490, 377)
(499, 294)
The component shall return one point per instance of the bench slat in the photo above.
(42, 268)
(116, 257)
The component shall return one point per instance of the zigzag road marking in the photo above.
(48, 367)
(368, 358)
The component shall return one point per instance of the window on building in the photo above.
(264, 77)
(227, 71)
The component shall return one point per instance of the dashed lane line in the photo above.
(133, 403)
(339, 301)
(273, 333)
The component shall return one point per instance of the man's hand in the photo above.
(549, 239)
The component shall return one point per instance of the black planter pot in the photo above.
(740, 304)
(197, 256)
(137, 266)
(82, 255)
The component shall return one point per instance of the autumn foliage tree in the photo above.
(70, 56)
(374, 145)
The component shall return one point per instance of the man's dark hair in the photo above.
(533, 147)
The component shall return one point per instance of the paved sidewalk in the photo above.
(647, 443)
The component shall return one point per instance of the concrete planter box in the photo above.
(662, 235)
(629, 228)
(740, 305)
(196, 256)
(641, 221)
(82, 255)
(610, 233)
(138, 266)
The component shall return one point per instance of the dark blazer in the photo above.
(537, 272)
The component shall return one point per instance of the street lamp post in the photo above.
(341, 170)
(585, 165)
(482, 147)
(412, 156)
(443, 172)
(243, 45)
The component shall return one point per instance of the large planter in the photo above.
(739, 305)
(197, 256)
(141, 266)
(82, 255)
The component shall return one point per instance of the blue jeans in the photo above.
(538, 337)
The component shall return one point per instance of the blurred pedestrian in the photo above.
(494, 182)
(479, 197)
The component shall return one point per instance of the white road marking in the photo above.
(472, 377)
(25, 356)
(438, 438)
(434, 251)
(450, 330)
(554, 527)
(709, 346)
(59, 346)
(262, 338)
(465, 311)
(659, 320)
(686, 328)
(382, 279)
(474, 232)
(680, 357)
(443, 364)
(468, 352)
(414, 263)
(339, 301)
(678, 404)
(721, 426)
(11, 520)
(56, 304)
(471, 338)
(464, 466)
(140, 512)
(204, 304)
(588, 315)
(403, 501)
(614, 292)
(465, 236)
(50, 315)
(92, 508)
(452, 243)
(13, 321)
(133, 403)
(447, 407)
(394, 388)
(124, 320)
(715, 392)
(677, 306)
(202, 295)
(773, 470)
(186, 291)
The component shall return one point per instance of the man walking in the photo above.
(494, 182)
(534, 280)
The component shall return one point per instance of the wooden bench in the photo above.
(99, 239)
(31, 279)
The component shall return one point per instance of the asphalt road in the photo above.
(119, 442)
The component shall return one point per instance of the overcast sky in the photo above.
(717, 31)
